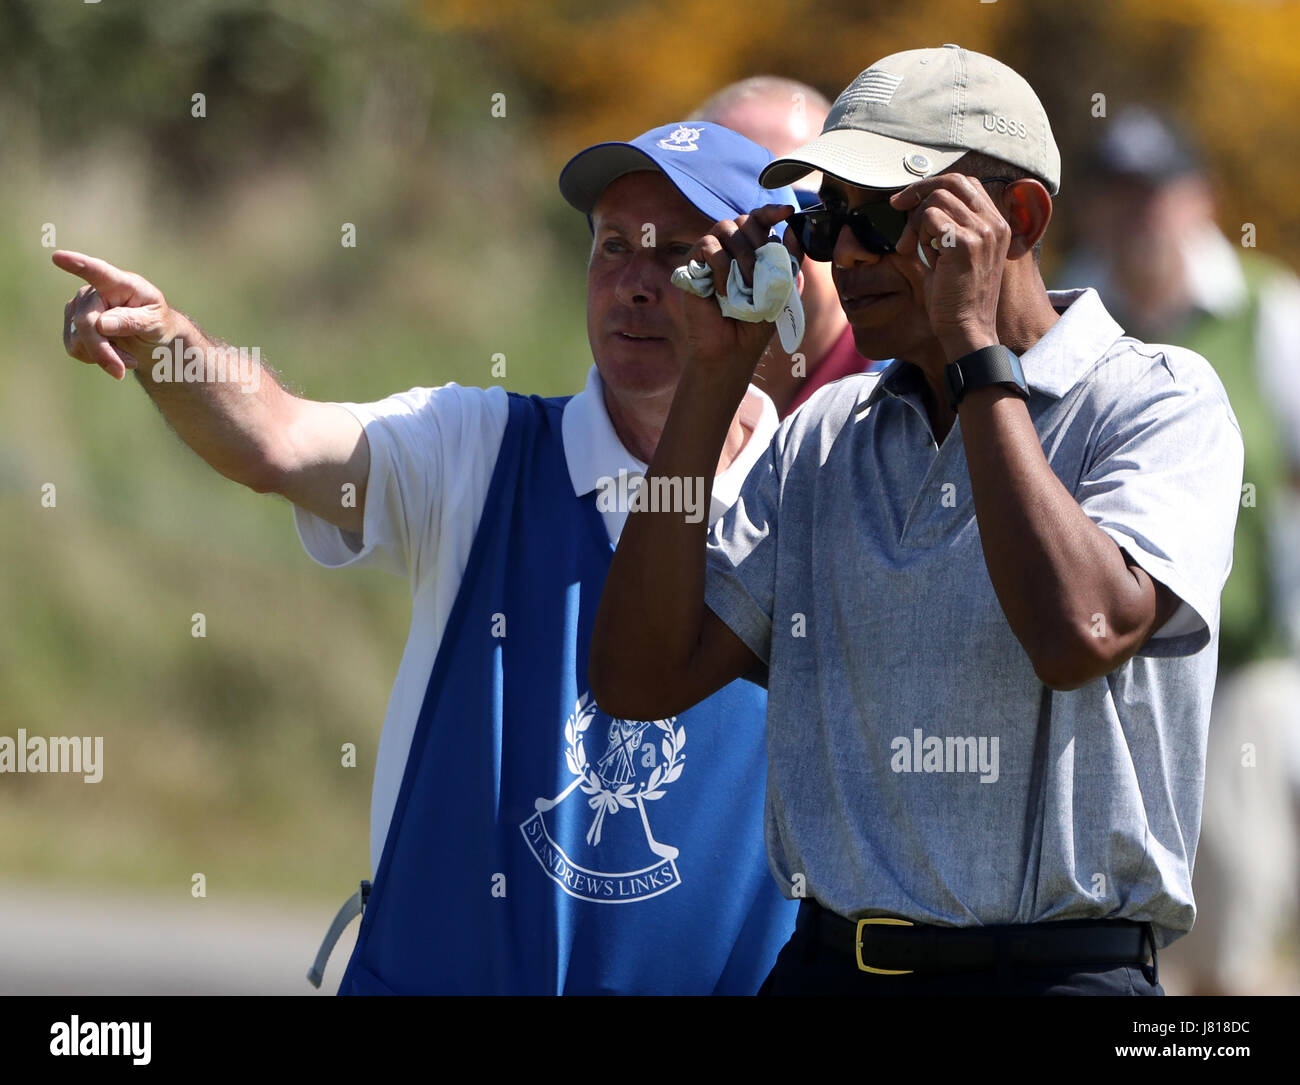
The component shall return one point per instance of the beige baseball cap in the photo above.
(913, 114)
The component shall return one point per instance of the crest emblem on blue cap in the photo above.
(681, 138)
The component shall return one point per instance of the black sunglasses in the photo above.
(877, 226)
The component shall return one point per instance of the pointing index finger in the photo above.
(102, 275)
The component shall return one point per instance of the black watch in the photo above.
(988, 365)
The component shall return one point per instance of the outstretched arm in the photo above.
(244, 425)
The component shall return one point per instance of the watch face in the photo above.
(989, 365)
(1016, 369)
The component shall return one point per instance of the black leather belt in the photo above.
(889, 946)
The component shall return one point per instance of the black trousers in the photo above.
(808, 967)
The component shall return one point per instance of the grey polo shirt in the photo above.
(917, 766)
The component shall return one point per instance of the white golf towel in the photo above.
(774, 295)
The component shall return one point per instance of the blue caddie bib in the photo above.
(539, 846)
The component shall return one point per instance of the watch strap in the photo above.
(979, 368)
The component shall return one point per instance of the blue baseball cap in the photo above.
(715, 168)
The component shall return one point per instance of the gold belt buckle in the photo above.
(890, 921)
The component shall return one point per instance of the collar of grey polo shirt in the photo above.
(1053, 365)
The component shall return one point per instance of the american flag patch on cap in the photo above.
(872, 85)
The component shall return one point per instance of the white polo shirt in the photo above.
(432, 454)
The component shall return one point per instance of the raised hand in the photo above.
(964, 239)
(716, 343)
(117, 319)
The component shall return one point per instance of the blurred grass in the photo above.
(222, 754)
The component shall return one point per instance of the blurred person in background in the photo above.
(782, 114)
(1151, 246)
(524, 842)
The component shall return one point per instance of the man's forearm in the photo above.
(1067, 592)
(648, 624)
(219, 399)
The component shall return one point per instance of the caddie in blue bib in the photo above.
(539, 846)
